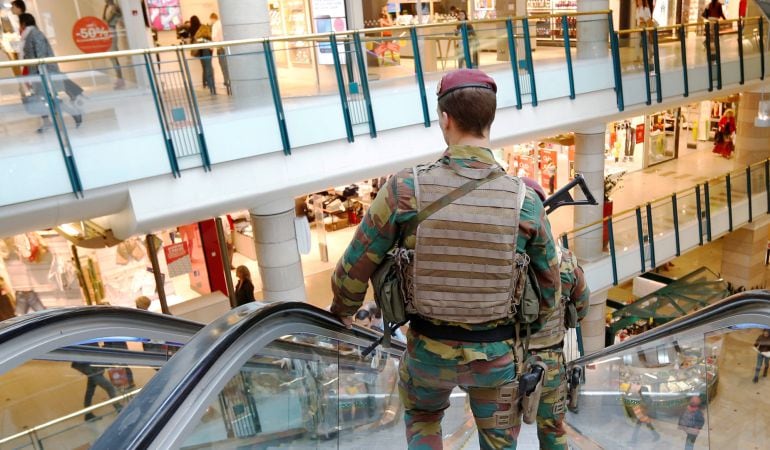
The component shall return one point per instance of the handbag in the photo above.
(392, 278)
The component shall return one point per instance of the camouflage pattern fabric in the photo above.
(432, 367)
(430, 370)
(553, 401)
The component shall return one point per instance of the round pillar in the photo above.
(751, 143)
(275, 239)
(592, 31)
(246, 19)
(589, 161)
(593, 325)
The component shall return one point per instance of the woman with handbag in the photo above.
(200, 33)
(644, 20)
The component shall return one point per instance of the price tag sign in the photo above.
(92, 35)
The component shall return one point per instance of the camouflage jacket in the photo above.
(573, 290)
(396, 204)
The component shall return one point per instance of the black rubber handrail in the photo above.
(750, 301)
(17, 326)
(143, 420)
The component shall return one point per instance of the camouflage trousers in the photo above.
(553, 401)
(425, 383)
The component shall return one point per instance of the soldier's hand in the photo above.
(347, 321)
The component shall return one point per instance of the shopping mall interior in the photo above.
(177, 193)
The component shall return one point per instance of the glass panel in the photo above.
(388, 55)
(314, 75)
(738, 185)
(101, 107)
(626, 232)
(443, 48)
(631, 56)
(735, 413)
(76, 392)
(639, 398)
(718, 196)
(234, 112)
(489, 46)
(663, 226)
(669, 49)
(32, 163)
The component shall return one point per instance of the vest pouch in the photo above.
(529, 307)
(388, 284)
(570, 315)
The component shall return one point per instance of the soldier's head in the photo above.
(467, 102)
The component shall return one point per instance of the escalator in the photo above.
(50, 360)
(638, 394)
(287, 375)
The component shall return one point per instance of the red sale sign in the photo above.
(177, 259)
(92, 35)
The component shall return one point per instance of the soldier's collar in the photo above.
(470, 152)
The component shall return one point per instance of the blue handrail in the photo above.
(740, 48)
(729, 189)
(611, 245)
(640, 235)
(707, 200)
(275, 89)
(420, 79)
(683, 48)
(699, 212)
(364, 83)
(650, 235)
(718, 50)
(466, 44)
(646, 60)
(512, 54)
(341, 88)
(530, 65)
(160, 108)
(568, 56)
(708, 56)
(748, 192)
(675, 211)
(656, 60)
(192, 99)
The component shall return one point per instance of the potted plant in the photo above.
(611, 185)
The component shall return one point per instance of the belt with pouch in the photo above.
(455, 333)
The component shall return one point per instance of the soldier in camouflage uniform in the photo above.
(547, 344)
(444, 354)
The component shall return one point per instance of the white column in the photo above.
(280, 266)
(592, 326)
(589, 161)
(246, 19)
(592, 31)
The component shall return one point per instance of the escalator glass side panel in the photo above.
(305, 390)
(69, 396)
(636, 398)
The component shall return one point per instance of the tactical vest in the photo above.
(465, 265)
(553, 330)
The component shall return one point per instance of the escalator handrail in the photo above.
(750, 301)
(143, 420)
(17, 326)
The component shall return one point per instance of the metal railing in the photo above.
(293, 67)
(662, 229)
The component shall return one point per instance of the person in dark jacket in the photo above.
(244, 290)
(691, 421)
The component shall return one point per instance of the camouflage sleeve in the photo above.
(580, 293)
(536, 240)
(375, 236)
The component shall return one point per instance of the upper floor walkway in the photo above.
(161, 151)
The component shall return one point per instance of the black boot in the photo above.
(756, 379)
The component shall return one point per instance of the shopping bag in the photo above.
(35, 105)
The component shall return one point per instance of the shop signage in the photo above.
(92, 35)
(640, 133)
(177, 259)
(328, 16)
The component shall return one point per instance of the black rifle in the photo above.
(562, 197)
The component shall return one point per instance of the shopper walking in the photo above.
(691, 422)
(244, 290)
(201, 33)
(218, 36)
(644, 20)
(723, 138)
(473, 42)
(95, 377)
(762, 346)
(36, 46)
(452, 340)
(113, 15)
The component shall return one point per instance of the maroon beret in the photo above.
(464, 78)
(535, 187)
